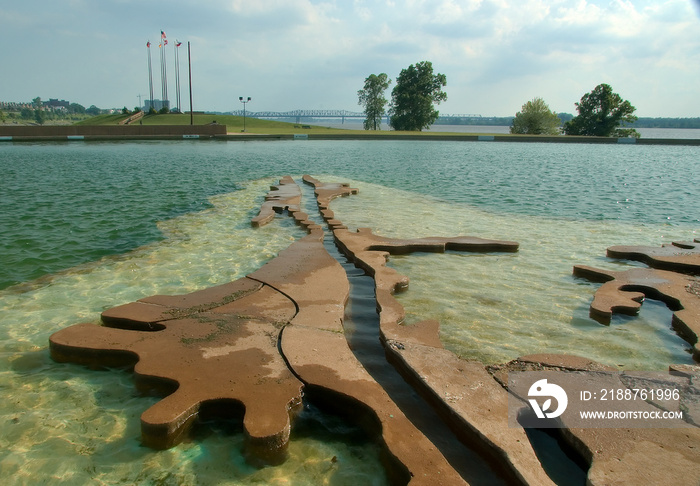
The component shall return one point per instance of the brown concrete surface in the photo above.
(371, 252)
(204, 353)
(325, 363)
(624, 291)
(683, 257)
(475, 405)
(463, 393)
(252, 347)
(285, 196)
(620, 457)
(135, 131)
(219, 349)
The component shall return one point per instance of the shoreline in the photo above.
(219, 132)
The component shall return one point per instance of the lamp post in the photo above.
(240, 98)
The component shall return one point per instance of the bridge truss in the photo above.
(342, 114)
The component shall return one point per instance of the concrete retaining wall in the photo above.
(110, 131)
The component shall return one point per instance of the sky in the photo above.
(308, 54)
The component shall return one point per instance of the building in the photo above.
(156, 104)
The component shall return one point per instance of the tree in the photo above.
(412, 99)
(535, 118)
(39, 116)
(371, 97)
(93, 110)
(76, 108)
(600, 114)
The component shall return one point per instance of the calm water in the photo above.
(87, 226)
(356, 124)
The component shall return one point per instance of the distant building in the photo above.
(12, 106)
(156, 104)
(57, 104)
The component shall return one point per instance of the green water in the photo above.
(87, 226)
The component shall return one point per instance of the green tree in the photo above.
(93, 110)
(36, 113)
(39, 116)
(76, 108)
(417, 90)
(535, 118)
(371, 97)
(600, 114)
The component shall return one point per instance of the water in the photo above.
(87, 226)
(356, 124)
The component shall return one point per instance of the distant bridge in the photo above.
(299, 114)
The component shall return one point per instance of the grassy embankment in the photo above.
(234, 125)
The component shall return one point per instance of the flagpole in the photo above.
(162, 79)
(165, 74)
(164, 40)
(189, 68)
(177, 75)
(150, 74)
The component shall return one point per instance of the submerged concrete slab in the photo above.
(683, 257)
(371, 252)
(475, 405)
(219, 350)
(222, 358)
(320, 296)
(463, 393)
(330, 370)
(327, 191)
(624, 291)
(285, 196)
(250, 348)
(659, 456)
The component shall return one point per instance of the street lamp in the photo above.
(240, 98)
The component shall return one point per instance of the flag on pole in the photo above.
(148, 44)
(162, 34)
(178, 43)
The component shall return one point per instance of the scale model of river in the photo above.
(88, 226)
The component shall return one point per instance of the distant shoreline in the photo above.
(220, 132)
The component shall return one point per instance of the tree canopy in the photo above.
(535, 118)
(373, 100)
(417, 90)
(600, 114)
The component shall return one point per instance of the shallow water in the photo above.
(87, 226)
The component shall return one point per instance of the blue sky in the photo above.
(290, 54)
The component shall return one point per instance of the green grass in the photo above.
(102, 120)
(234, 124)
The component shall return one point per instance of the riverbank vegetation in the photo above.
(417, 90)
(601, 113)
(371, 97)
(535, 118)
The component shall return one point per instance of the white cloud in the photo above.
(497, 54)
